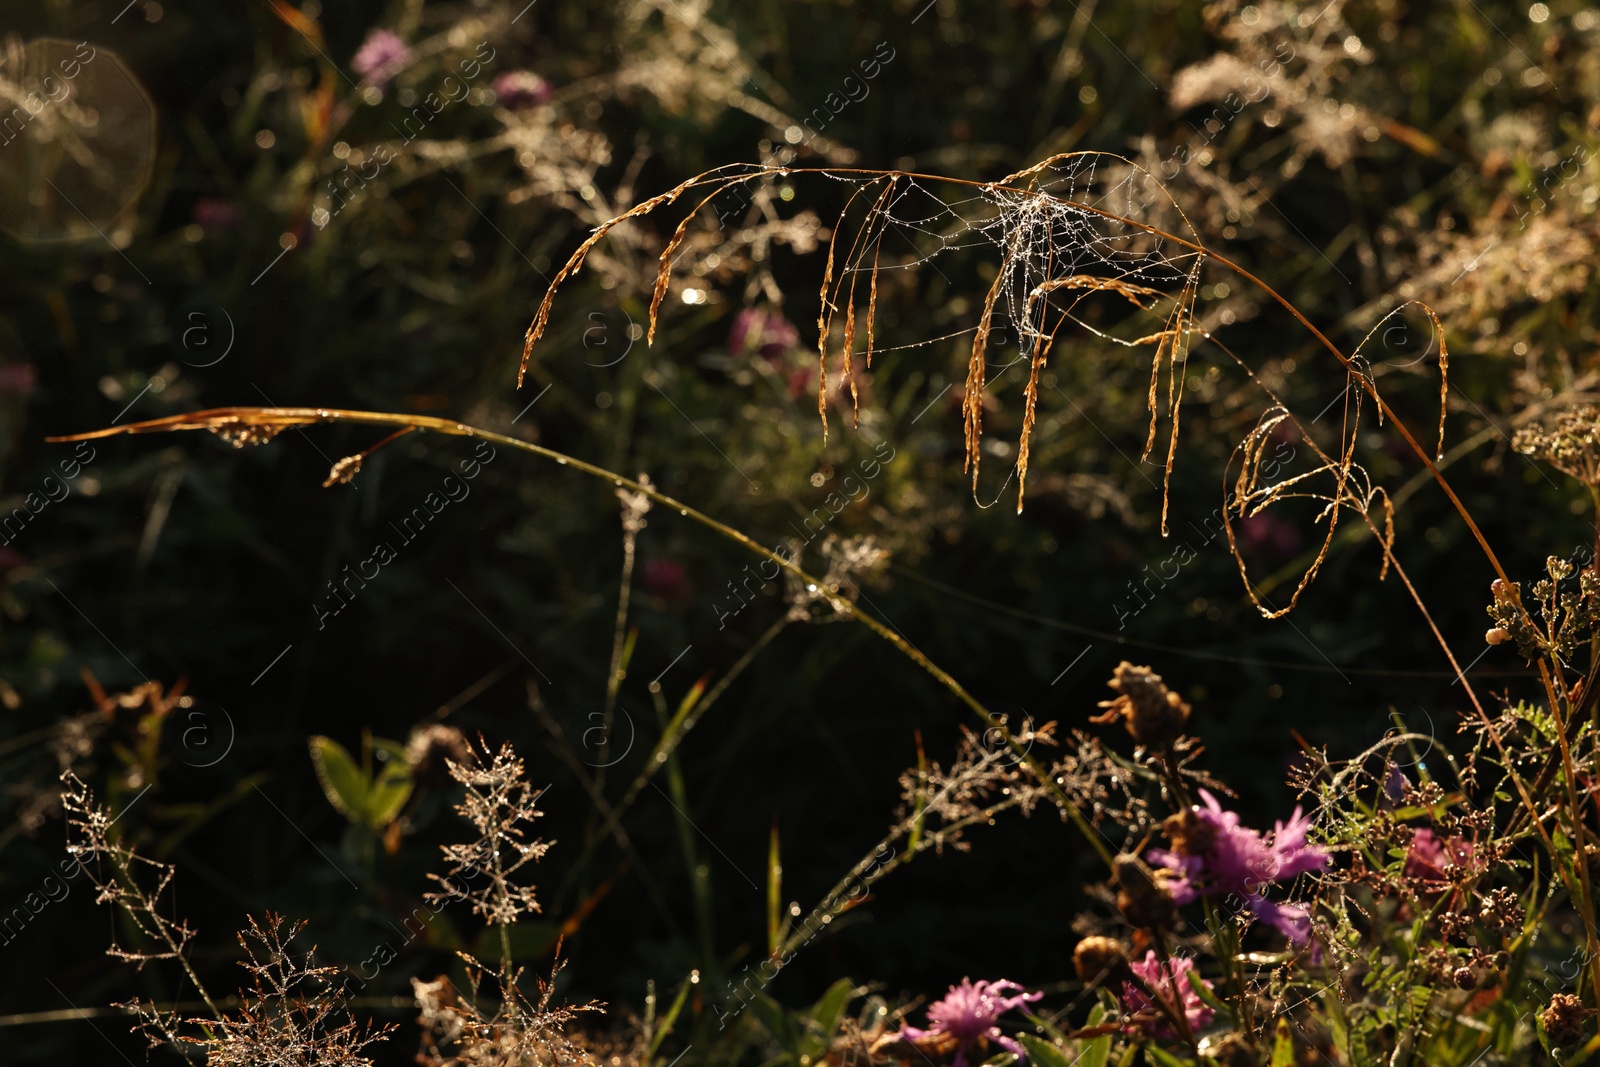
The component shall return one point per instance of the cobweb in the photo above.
(1084, 241)
(1057, 236)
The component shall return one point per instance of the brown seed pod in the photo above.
(1141, 897)
(1153, 714)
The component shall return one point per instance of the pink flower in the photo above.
(1430, 859)
(1269, 535)
(381, 57)
(18, 378)
(214, 213)
(1170, 982)
(1214, 856)
(968, 1013)
(522, 88)
(754, 330)
(667, 579)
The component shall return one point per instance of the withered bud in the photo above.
(1234, 1051)
(1465, 978)
(1189, 833)
(1502, 910)
(343, 472)
(1563, 1019)
(1101, 958)
(428, 748)
(1152, 713)
(1141, 897)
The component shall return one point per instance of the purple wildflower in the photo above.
(968, 1013)
(18, 378)
(381, 57)
(1269, 535)
(1430, 859)
(1213, 855)
(1170, 982)
(764, 332)
(522, 88)
(215, 213)
(667, 579)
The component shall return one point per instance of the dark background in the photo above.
(179, 558)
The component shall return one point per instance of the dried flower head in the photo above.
(135, 884)
(1563, 1019)
(1101, 959)
(344, 472)
(1153, 714)
(432, 748)
(293, 1013)
(1563, 619)
(241, 434)
(1569, 441)
(1143, 898)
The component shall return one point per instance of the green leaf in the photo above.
(1210, 998)
(824, 1016)
(665, 1026)
(1162, 1057)
(771, 1016)
(1096, 1052)
(915, 840)
(342, 781)
(1283, 1046)
(1042, 1053)
(775, 926)
(391, 785)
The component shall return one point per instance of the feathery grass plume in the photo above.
(501, 805)
(134, 883)
(293, 1012)
(850, 560)
(520, 1032)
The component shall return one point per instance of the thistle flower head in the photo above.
(380, 57)
(968, 1012)
(1214, 855)
(518, 89)
(1169, 980)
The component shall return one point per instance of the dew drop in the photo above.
(683, 511)
(561, 460)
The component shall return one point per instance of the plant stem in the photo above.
(276, 419)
